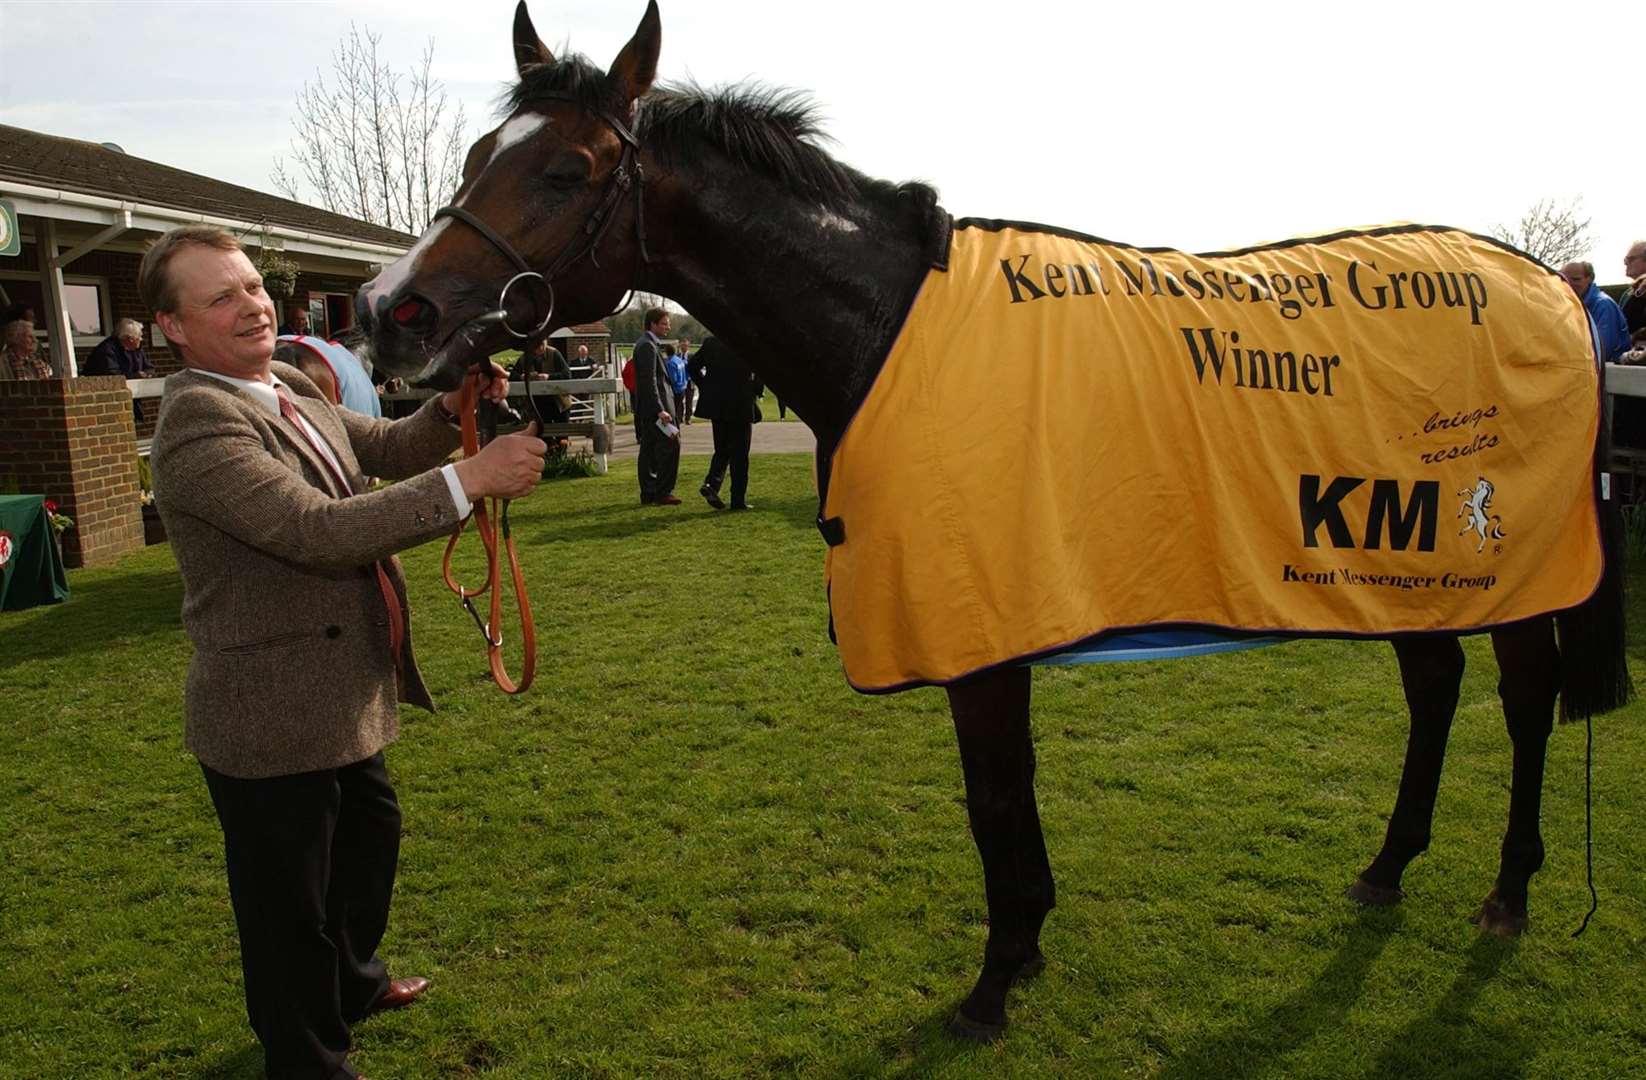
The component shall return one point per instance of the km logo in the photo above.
(1387, 513)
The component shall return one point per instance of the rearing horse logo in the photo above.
(1476, 501)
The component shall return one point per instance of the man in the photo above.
(582, 369)
(296, 324)
(727, 399)
(688, 396)
(1610, 326)
(1634, 304)
(659, 449)
(121, 353)
(295, 606)
(20, 356)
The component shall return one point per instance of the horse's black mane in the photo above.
(771, 130)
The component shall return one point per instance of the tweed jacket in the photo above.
(291, 670)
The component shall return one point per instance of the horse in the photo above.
(598, 182)
(1476, 501)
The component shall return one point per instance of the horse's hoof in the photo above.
(1364, 892)
(1030, 969)
(1495, 917)
(966, 1029)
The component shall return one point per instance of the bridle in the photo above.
(625, 177)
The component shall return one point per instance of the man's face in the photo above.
(131, 341)
(582, 352)
(1634, 263)
(300, 322)
(1577, 278)
(224, 320)
(662, 326)
(685, 343)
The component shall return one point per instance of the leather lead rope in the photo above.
(483, 515)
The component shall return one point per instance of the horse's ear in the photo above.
(635, 68)
(529, 49)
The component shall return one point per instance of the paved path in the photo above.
(698, 438)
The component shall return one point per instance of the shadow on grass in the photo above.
(1252, 1048)
(138, 605)
(1451, 1041)
(618, 522)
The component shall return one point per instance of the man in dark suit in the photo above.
(296, 608)
(727, 390)
(659, 463)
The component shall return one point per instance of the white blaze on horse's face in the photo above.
(513, 132)
(396, 274)
(517, 130)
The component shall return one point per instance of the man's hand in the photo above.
(495, 389)
(509, 466)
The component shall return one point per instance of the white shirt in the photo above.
(263, 393)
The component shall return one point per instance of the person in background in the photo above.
(675, 364)
(1634, 302)
(688, 396)
(20, 354)
(583, 367)
(296, 324)
(296, 608)
(121, 353)
(729, 390)
(659, 458)
(1608, 318)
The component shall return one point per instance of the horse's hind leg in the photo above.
(991, 722)
(1529, 683)
(1431, 670)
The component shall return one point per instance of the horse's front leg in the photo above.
(991, 722)
(1529, 683)
(1431, 671)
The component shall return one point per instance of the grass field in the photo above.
(692, 851)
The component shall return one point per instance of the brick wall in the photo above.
(72, 441)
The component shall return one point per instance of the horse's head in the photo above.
(544, 229)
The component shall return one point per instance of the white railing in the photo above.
(596, 408)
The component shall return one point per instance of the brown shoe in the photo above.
(401, 992)
(668, 500)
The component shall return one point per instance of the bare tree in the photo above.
(372, 143)
(1550, 231)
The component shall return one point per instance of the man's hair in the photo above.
(1638, 245)
(154, 276)
(1588, 268)
(654, 316)
(128, 328)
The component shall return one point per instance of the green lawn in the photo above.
(692, 851)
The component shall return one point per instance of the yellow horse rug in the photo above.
(1372, 432)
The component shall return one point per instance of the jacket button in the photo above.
(334, 631)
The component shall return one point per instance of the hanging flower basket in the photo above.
(279, 274)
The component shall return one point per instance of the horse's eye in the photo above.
(567, 170)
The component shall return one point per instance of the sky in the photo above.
(1191, 124)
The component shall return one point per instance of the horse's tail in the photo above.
(1594, 671)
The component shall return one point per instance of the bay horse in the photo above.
(597, 182)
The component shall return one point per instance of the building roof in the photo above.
(76, 165)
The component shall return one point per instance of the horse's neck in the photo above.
(810, 297)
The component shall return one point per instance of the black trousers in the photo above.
(731, 448)
(311, 860)
(659, 461)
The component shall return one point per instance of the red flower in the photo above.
(51, 507)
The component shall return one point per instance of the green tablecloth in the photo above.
(31, 567)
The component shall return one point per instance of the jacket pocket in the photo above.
(279, 641)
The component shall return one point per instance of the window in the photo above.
(87, 299)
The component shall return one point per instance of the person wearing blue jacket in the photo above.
(675, 365)
(1610, 325)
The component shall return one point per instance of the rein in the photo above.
(492, 628)
(627, 176)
